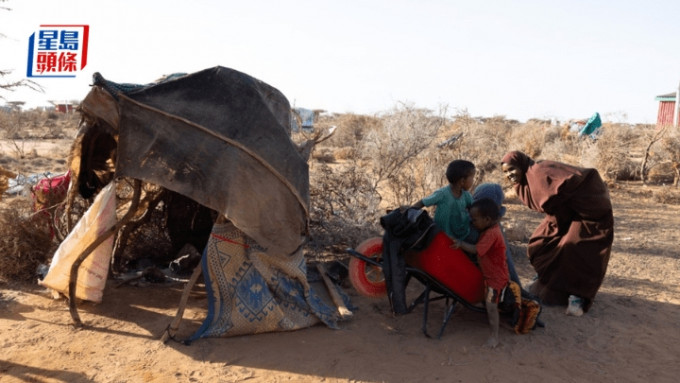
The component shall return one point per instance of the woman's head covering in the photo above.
(518, 159)
(491, 191)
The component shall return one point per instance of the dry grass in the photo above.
(25, 242)
(371, 164)
(372, 145)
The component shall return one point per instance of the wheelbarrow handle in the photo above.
(364, 258)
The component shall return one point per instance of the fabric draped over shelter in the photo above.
(570, 248)
(250, 292)
(222, 138)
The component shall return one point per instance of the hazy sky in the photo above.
(521, 59)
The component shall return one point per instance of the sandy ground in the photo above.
(631, 334)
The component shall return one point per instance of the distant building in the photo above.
(668, 110)
(64, 106)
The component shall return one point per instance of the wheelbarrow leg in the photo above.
(426, 295)
(450, 309)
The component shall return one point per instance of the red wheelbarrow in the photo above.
(444, 272)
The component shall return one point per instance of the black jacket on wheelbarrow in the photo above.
(410, 230)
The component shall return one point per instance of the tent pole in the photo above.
(174, 326)
(333, 292)
(90, 248)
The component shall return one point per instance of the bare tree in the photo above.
(405, 134)
(671, 144)
(656, 136)
(9, 85)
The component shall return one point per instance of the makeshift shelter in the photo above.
(222, 139)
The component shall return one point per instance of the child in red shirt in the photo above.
(490, 249)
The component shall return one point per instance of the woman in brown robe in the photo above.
(570, 249)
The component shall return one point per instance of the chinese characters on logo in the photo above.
(57, 51)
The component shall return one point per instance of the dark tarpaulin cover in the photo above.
(222, 138)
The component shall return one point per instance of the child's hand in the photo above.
(455, 244)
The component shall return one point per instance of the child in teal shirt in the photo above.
(452, 202)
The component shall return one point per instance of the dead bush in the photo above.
(344, 153)
(619, 152)
(404, 186)
(403, 139)
(344, 206)
(671, 145)
(11, 124)
(25, 242)
(323, 155)
(350, 128)
(661, 173)
(481, 141)
(529, 138)
(668, 195)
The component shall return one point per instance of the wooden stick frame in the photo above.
(73, 278)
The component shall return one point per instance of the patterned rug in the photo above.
(250, 292)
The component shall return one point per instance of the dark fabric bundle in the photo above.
(410, 230)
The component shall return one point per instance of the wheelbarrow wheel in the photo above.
(368, 279)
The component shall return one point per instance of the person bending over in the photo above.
(570, 248)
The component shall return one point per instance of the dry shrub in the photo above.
(671, 145)
(529, 138)
(344, 206)
(5, 122)
(11, 124)
(344, 153)
(661, 173)
(395, 151)
(481, 141)
(25, 242)
(18, 125)
(578, 151)
(616, 154)
(350, 128)
(668, 195)
(405, 186)
(323, 155)
(380, 169)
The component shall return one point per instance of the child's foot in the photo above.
(531, 284)
(492, 342)
(575, 307)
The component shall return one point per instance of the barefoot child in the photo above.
(490, 249)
